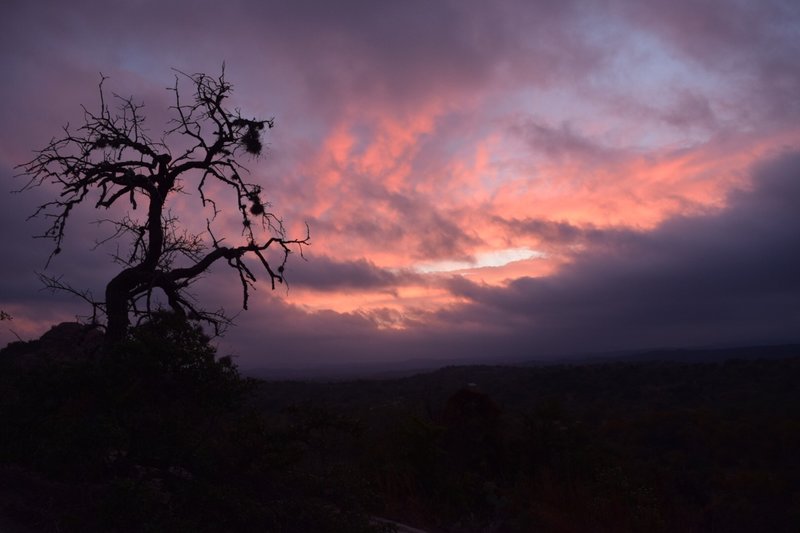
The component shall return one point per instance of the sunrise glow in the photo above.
(467, 171)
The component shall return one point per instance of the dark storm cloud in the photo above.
(728, 277)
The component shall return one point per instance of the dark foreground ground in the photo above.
(163, 436)
(649, 446)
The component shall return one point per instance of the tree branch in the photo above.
(111, 159)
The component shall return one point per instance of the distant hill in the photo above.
(661, 441)
(699, 355)
(398, 369)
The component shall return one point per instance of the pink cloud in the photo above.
(426, 133)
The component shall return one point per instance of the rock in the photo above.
(63, 342)
(71, 340)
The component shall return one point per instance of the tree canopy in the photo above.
(111, 161)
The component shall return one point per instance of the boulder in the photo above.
(63, 342)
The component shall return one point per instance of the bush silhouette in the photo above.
(158, 435)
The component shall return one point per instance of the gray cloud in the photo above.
(728, 277)
(714, 278)
(558, 232)
(562, 142)
(327, 274)
(757, 42)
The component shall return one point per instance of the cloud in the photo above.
(323, 273)
(726, 277)
(562, 142)
(607, 136)
(691, 109)
(754, 41)
(561, 233)
(714, 279)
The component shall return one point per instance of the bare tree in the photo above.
(111, 160)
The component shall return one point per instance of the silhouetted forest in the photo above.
(163, 435)
(625, 446)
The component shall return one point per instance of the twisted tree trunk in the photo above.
(112, 154)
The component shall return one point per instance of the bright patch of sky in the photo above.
(494, 258)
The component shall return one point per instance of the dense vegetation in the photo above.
(160, 435)
(163, 435)
(651, 446)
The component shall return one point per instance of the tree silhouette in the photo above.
(111, 160)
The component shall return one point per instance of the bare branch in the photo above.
(55, 283)
(111, 160)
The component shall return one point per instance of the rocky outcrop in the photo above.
(67, 341)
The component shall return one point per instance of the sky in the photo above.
(482, 180)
